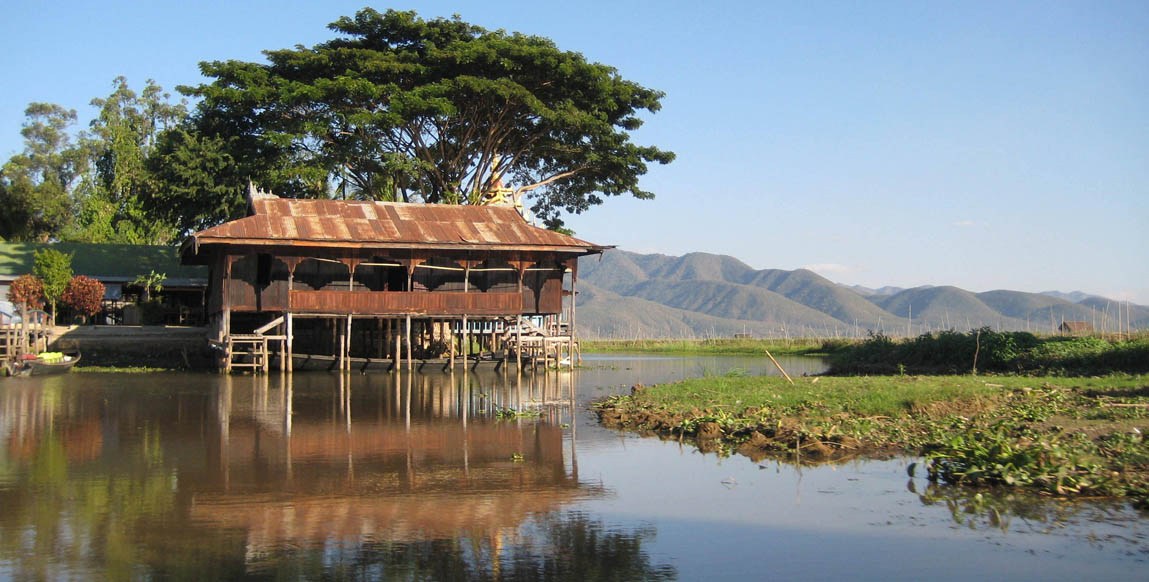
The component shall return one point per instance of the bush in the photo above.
(951, 352)
(84, 295)
(54, 269)
(27, 289)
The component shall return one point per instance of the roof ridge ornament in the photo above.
(254, 193)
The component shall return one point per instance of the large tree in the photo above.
(401, 108)
(38, 186)
(126, 131)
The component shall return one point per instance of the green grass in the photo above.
(725, 347)
(855, 395)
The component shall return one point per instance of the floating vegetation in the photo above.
(1056, 436)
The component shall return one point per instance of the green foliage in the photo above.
(1080, 438)
(198, 181)
(153, 282)
(951, 352)
(401, 108)
(89, 187)
(84, 295)
(127, 130)
(54, 269)
(27, 289)
(37, 186)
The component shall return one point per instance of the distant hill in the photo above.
(630, 295)
(1072, 296)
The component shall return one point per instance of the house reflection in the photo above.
(310, 463)
(404, 457)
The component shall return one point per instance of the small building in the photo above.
(351, 278)
(1075, 327)
(117, 266)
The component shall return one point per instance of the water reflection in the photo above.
(464, 476)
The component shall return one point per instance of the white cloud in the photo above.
(964, 223)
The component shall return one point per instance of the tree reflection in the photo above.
(568, 546)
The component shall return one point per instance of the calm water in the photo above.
(199, 476)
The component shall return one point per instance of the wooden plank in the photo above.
(405, 302)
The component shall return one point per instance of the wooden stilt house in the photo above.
(352, 278)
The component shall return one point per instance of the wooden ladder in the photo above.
(247, 351)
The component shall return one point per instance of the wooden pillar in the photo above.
(451, 341)
(226, 324)
(290, 343)
(410, 357)
(282, 345)
(347, 345)
(571, 323)
(397, 359)
(337, 333)
(521, 267)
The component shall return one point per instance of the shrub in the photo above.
(27, 289)
(84, 295)
(54, 268)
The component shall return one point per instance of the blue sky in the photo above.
(984, 145)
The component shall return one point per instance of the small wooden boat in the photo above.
(42, 366)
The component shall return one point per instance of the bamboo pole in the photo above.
(779, 366)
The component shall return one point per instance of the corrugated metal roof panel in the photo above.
(389, 222)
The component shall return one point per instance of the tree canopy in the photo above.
(92, 186)
(401, 108)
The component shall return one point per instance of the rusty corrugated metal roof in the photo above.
(284, 220)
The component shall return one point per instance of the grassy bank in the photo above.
(717, 347)
(985, 350)
(1057, 435)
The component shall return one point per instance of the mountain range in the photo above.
(630, 295)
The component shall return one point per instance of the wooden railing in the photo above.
(422, 303)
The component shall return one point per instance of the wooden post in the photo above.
(451, 341)
(574, 300)
(466, 287)
(397, 359)
(282, 345)
(337, 334)
(227, 302)
(290, 343)
(410, 357)
(347, 345)
(23, 339)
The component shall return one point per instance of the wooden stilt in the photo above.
(347, 345)
(398, 357)
(338, 337)
(451, 342)
(290, 342)
(410, 355)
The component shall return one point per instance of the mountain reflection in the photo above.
(194, 476)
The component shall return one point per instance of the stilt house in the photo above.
(357, 274)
